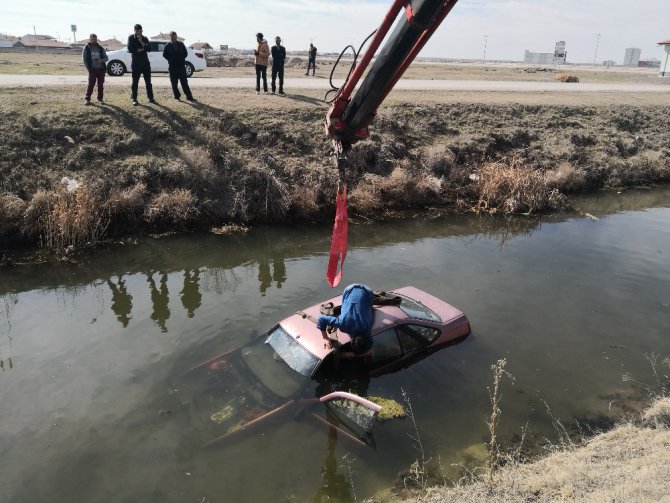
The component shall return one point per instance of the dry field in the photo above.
(69, 64)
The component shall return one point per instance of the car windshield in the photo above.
(280, 363)
(415, 309)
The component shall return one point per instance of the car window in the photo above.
(415, 309)
(409, 340)
(297, 357)
(386, 346)
(425, 334)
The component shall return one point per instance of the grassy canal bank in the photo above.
(72, 175)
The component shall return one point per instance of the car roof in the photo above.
(301, 326)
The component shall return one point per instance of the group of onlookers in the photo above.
(95, 59)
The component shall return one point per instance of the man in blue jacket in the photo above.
(139, 47)
(355, 318)
(175, 52)
(94, 57)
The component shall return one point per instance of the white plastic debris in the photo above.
(70, 183)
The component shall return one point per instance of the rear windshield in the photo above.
(415, 309)
(297, 357)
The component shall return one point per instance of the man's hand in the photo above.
(328, 344)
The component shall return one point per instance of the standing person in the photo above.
(262, 54)
(94, 57)
(138, 46)
(278, 58)
(311, 59)
(175, 52)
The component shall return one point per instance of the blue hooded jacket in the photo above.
(355, 318)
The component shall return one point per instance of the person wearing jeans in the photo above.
(262, 54)
(94, 57)
(139, 47)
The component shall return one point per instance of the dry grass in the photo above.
(64, 220)
(177, 208)
(216, 163)
(513, 188)
(629, 463)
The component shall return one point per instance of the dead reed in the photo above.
(64, 220)
(513, 188)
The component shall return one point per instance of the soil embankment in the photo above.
(71, 175)
(627, 463)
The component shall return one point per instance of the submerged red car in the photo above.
(283, 372)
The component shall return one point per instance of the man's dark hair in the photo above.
(259, 35)
(138, 26)
(173, 33)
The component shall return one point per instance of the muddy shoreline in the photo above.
(72, 175)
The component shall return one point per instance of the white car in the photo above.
(120, 61)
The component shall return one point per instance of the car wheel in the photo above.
(189, 69)
(116, 68)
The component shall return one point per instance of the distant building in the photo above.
(33, 37)
(665, 71)
(632, 56)
(649, 63)
(112, 44)
(557, 57)
(608, 63)
(47, 43)
(165, 36)
(7, 40)
(202, 46)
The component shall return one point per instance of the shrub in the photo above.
(63, 219)
(172, 208)
(513, 189)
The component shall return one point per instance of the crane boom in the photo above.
(348, 118)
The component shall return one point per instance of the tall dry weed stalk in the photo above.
(418, 474)
(494, 455)
(66, 219)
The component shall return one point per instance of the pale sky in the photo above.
(509, 26)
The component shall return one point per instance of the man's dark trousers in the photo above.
(94, 76)
(178, 74)
(144, 71)
(278, 71)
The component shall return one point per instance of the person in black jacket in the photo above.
(94, 57)
(278, 58)
(311, 59)
(138, 46)
(175, 52)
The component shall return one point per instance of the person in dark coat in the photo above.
(139, 47)
(278, 58)
(94, 57)
(175, 52)
(311, 59)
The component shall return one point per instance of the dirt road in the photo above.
(12, 80)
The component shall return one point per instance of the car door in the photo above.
(158, 62)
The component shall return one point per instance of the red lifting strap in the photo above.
(338, 246)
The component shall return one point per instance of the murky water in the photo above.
(95, 404)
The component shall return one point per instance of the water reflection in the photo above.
(9, 302)
(160, 300)
(334, 485)
(191, 298)
(266, 278)
(122, 301)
